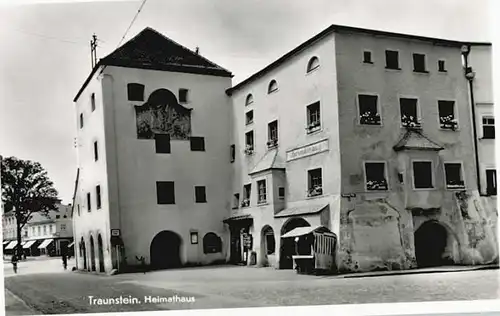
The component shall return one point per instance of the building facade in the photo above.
(366, 133)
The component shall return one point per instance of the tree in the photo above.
(26, 189)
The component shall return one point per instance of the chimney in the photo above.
(197, 51)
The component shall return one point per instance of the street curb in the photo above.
(28, 310)
(407, 272)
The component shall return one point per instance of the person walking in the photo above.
(14, 261)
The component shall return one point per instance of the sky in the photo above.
(45, 53)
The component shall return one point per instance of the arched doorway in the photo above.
(165, 250)
(101, 253)
(287, 248)
(92, 254)
(83, 253)
(267, 244)
(430, 243)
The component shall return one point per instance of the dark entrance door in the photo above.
(491, 182)
(100, 253)
(236, 257)
(165, 250)
(287, 248)
(430, 243)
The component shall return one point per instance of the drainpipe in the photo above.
(469, 75)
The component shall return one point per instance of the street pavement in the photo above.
(231, 286)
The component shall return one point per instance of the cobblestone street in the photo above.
(230, 286)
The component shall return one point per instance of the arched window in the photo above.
(135, 92)
(212, 243)
(270, 241)
(273, 86)
(249, 99)
(312, 64)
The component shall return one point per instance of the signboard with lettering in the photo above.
(308, 150)
(247, 241)
(115, 232)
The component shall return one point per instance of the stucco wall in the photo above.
(137, 167)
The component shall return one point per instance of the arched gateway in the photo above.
(165, 250)
(431, 240)
(287, 248)
(100, 249)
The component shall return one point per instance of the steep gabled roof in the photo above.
(415, 140)
(271, 160)
(152, 50)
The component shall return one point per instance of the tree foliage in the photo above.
(26, 189)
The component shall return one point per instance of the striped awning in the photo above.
(45, 243)
(301, 210)
(11, 245)
(28, 244)
(71, 245)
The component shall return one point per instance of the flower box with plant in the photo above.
(249, 149)
(376, 185)
(272, 143)
(448, 122)
(455, 184)
(313, 126)
(245, 203)
(369, 118)
(315, 191)
(410, 121)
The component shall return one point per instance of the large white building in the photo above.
(364, 132)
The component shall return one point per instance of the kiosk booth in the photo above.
(314, 250)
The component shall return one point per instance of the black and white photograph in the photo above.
(226, 157)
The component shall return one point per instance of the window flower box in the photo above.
(315, 191)
(272, 143)
(249, 150)
(313, 126)
(369, 118)
(410, 122)
(448, 122)
(245, 203)
(455, 184)
(377, 185)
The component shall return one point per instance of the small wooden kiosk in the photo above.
(314, 249)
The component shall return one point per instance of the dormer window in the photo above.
(273, 86)
(312, 64)
(249, 99)
(135, 92)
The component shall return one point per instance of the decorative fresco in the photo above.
(162, 114)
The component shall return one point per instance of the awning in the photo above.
(71, 245)
(6, 242)
(301, 210)
(28, 244)
(45, 243)
(11, 245)
(301, 231)
(238, 218)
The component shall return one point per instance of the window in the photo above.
(51, 228)
(63, 226)
(197, 143)
(313, 117)
(422, 175)
(58, 216)
(183, 95)
(236, 200)
(233, 152)
(98, 196)
(249, 117)
(249, 99)
(281, 193)
(453, 175)
(419, 63)
(272, 134)
(135, 92)
(367, 57)
(249, 146)
(200, 194)
(165, 192)
(392, 59)
(409, 112)
(212, 243)
(489, 127)
(25, 233)
(39, 230)
(315, 186)
(81, 120)
(162, 143)
(89, 203)
(92, 102)
(491, 182)
(375, 176)
(368, 110)
(441, 66)
(312, 64)
(247, 190)
(273, 86)
(447, 119)
(261, 186)
(78, 207)
(96, 151)
(270, 242)
(45, 229)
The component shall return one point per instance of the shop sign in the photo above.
(309, 150)
(247, 241)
